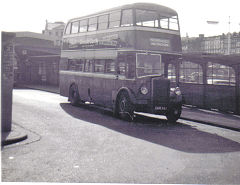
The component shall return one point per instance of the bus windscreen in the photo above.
(149, 65)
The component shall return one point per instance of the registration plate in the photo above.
(160, 108)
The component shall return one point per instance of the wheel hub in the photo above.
(175, 112)
(122, 105)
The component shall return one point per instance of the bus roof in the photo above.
(146, 6)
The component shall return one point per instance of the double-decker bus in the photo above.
(116, 59)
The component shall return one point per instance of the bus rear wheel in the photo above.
(74, 95)
(174, 113)
(125, 108)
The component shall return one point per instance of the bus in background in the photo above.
(116, 59)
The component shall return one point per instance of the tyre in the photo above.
(74, 95)
(125, 108)
(174, 113)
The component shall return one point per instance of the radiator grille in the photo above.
(160, 91)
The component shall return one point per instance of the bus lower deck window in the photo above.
(110, 66)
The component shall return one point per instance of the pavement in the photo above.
(47, 88)
(16, 134)
(210, 117)
(190, 113)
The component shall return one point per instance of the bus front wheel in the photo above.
(73, 95)
(174, 113)
(125, 108)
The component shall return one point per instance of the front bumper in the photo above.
(148, 107)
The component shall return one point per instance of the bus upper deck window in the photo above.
(114, 19)
(75, 27)
(164, 22)
(92, 24)
(173, 23)
(103, 22)
(127, 18)
(68, 29)
(83, 25)
(147, 18)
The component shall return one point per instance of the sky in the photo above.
(31, 15)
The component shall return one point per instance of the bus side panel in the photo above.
(67, 78)
(64, 84)
(85, 84)
(109, 91)
(97, 90)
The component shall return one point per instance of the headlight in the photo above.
(172, 89)
(176, 91)
(144, 90)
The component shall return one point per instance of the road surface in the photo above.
(86, 144)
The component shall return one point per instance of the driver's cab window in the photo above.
(172, 72)
(126, 66)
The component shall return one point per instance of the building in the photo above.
(36, 59)
(235, 43)
(220, 44)
(54, 30)
(192, 44)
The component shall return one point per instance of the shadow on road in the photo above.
(178, 136)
